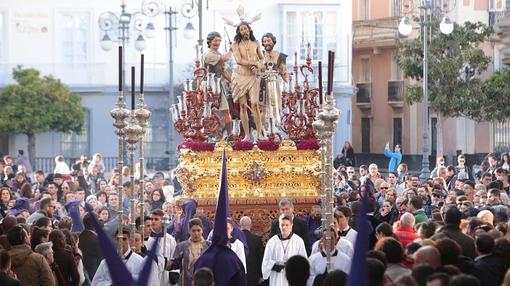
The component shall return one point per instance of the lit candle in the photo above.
(141, 74)
(179, 104)
(120, 68)
(320, 82)
(132, 88)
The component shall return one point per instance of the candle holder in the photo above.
(325, 126)
(133, 132)
(142, 116)
(119, 115)
(300, 105)
(194, 117)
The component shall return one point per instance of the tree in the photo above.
(495, 96)
(455, 63)
(38, 104)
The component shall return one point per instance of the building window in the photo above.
(157, 133)
(364, 9)
(497, 5)
(74, 37)
(73, 144)
(365, 135)
(317, 28)
(397, 131)
(396, 8)
(364, 72)
(501, 137)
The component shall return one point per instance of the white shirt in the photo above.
(134, 264)
(164, 251)
(343, 245)
(278, 250)
(238, 248)
(318, 264)
(351, 235)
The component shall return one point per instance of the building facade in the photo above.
(380, 114)
(62, 38)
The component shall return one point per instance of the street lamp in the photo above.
(124, 24)
(429, 9)
(189, 10)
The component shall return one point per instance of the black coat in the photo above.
(91, 250)
(5, 280)
(254, 258)
(299, 227)
(466, 242)
(65, 261)
(490, 270)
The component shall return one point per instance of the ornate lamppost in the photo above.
(429, 9)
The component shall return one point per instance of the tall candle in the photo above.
(120, 68)
(132, 88)
(331, 65)
(320, 82)
(141, 74)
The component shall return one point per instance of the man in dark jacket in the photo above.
(299, 227)
(489, 267)
(89, 245)
(254, 258)
(31, 268)
(451, 230)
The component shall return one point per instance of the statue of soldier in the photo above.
(276, 62)
(217, 64)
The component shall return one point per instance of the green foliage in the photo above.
(455, 63)
(495, 97)
(38, 104)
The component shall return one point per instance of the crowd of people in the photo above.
(449, 229)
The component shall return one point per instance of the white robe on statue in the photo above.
(278, 250)
(134, 264)
(339, 261)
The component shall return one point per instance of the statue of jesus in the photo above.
(246, 78)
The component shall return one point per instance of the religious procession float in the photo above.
(275, 127)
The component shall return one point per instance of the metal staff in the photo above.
(119, 115)
(166, 222)
(142, 117)
(325, 126)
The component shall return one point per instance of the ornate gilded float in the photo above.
(285, 172)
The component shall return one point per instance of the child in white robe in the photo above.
(278, 250)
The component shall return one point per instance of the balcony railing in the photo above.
(369, 31)
(47, 164)
(99, 74)
(395, 91)
(364, 93)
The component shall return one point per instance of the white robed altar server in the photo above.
(166, 245)
(278, 250)
(134, 264)
(339, 260)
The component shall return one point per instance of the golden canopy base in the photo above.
(257, 180)
(285, 172)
